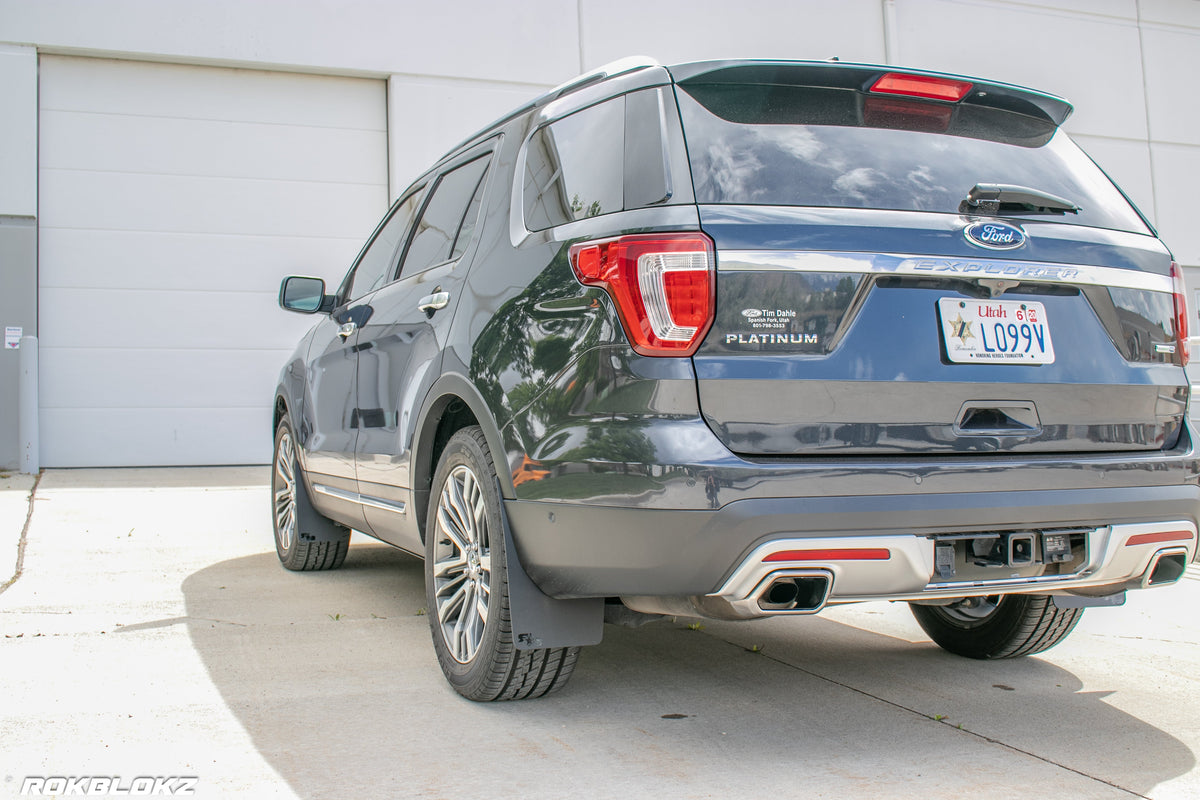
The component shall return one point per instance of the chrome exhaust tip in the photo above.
(1167, 567)
(800, 593)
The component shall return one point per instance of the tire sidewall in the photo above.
(469, 679)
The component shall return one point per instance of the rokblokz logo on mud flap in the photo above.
(99, 785)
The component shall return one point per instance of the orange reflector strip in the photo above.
(925, 86)
(1165, 536)
(846, 554)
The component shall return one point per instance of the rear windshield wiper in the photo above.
(1001, 198)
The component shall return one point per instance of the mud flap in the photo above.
(311, 525)
(540, 621)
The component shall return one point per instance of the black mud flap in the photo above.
(312, 525)
(1081, 601)
(540, 621)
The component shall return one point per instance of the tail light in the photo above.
(1181, 315)
(664, 287)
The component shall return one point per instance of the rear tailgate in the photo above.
(859, 311)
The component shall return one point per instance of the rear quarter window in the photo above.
(574, 167)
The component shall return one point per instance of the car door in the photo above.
(400, 345)
(331, 409)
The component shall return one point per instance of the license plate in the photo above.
(995, 331)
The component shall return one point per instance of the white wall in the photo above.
(18, 130)
(451, 67)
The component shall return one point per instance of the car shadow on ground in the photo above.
(334, 678)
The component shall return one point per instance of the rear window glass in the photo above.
(763, 144)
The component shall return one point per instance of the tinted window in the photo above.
(787, 145)
(374, 267)
(433, 241)
(574, 168)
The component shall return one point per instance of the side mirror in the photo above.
(302, 295)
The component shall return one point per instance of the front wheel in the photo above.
(466, 584)
(1000, 626)
(296, 522)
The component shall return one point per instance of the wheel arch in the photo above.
(452, 403)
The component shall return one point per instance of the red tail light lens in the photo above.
(1181, 314)
(664, 286)
(927, 86)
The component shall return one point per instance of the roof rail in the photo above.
(609, 70)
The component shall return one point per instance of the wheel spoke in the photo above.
(450, 567)
(450, 527)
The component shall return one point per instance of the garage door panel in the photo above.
(208, 148)
(172, 200)
(83, 378)
(164, 320)
(177, 204)
(149, 260)
(101, 437)
(187, 92)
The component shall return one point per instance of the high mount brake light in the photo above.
(1179, 292)
(926, 86)
(664, 287)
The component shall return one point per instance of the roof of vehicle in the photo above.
(832, 74)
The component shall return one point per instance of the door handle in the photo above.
(347, 330)
(432, 302)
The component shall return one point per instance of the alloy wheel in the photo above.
(462, 564)
(284, 485)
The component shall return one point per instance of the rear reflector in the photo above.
(836, 554)
(926, 86)
(1162, 536)
(1181, 316)
(664, 287)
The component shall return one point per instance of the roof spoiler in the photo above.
(862, 77)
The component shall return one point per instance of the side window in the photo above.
(449, 218)
(374, 267)
(574, 167)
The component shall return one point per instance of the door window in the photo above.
(449, 218)
(375, 265)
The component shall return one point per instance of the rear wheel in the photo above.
(1000, 626)
(466, 584)
(294, 518)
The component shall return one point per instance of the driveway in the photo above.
(152, 632)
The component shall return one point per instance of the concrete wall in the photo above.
(452, 67)
(18, 225)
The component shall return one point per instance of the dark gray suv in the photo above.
(745, 338)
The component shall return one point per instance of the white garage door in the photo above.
(172, 200)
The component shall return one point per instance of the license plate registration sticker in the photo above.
(995, 331)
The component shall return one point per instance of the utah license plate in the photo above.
(995, 331)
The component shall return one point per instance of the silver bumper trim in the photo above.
(1118, 555)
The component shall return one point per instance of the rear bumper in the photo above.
(580, 550)
(902, 567)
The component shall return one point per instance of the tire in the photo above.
(304, 540)
(466, 584)
(1005, 626)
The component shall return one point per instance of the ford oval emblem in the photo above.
(995, 235)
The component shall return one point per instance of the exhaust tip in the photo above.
(1167, 568)
(800, 593)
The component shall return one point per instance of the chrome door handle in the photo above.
(432, 302)
(347, 330)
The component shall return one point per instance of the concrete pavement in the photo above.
(153, 633)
